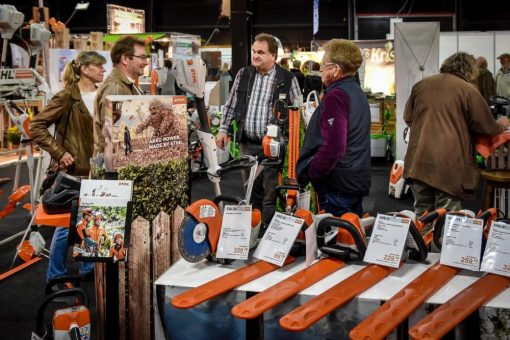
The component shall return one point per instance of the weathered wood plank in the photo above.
(161, 244)
(139, 298)
(122, 300)
(100, 284)
(177, 218)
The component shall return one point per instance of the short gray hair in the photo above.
(462, 65)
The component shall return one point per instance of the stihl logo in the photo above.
(193, 76)
(6, 74)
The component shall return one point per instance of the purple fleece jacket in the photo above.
(333, 124)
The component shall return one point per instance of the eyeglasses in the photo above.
(142, 57)
(323, 66)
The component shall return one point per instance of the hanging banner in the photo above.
(122, 19)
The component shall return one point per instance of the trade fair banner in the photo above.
(122, 19)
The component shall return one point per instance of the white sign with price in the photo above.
(496, 258)
(234, 242)
(462, 242)
(275, 245)
(388, 240)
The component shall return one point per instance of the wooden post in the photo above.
(178, 216)
(139, 285)
(161, 244)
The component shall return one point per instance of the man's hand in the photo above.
(66, 160)
(221, 140)
(503, 121)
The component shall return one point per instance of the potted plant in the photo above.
(13, 135)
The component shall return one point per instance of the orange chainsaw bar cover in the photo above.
(260, 303)
(53, 220)
(225, 283)
(391, 314)
(313, 310)
(447, 316)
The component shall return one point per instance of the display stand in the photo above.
(214, 316)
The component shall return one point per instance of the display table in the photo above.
(213, 319)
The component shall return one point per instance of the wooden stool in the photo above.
(494, 179)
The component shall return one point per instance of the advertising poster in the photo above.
(377, 72)
(99, 233)
(145, 130)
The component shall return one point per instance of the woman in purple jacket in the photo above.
(335, 156)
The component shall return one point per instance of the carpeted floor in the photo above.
(22, 293)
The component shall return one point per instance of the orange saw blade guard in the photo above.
(225, 283)
(282, 291)
(207, 212)
(442, 320)
(391, 314)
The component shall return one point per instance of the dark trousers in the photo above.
(263, 195)
(339, 204)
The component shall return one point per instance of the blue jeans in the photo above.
(58, 256)
(339, 204)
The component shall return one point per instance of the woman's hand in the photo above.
(66, 160)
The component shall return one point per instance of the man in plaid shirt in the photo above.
(250, 105)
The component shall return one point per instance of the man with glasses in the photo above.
(336, 152)
(250, 103)
(129, 61)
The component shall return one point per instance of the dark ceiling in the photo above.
(290, 20)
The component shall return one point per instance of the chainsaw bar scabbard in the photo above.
(397, 309)
(313, 310)
(447, 316)
(225, 283)
(260, 303)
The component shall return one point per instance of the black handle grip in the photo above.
(281, 188)
(340, 224)
(68, 292)
(229, 199)
(236, 164)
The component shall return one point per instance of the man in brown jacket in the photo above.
(129, 60)
(445, 112)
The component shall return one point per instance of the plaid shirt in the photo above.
(260, 106)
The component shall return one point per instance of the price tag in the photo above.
(234, 242)
(278, 238)
(462, 242)
(311, 238)
(496, 258)
(304, 200)
(388, 239)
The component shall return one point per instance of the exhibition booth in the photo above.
(168, 266)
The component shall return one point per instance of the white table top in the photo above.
(185, 274)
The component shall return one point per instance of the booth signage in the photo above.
(275, 245)
(235, 233)
(462, 242)
(496, 258)
(388, 239)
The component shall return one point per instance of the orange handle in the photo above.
(225, 283)
(450, 314)
(313, 310)
(260, 303)
(395, 310)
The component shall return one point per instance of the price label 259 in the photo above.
(468, 260)
(391, 258)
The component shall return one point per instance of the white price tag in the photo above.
(496, 258)
(234, 242)
(304, 200)
(462, 242)
(388, 239)
(278, 238)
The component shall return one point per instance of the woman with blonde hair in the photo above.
(71, 111)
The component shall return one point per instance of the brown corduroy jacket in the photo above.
(67, 104)
(445, 113)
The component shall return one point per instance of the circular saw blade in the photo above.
(193, 242)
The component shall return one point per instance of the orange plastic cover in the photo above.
(397, 309)
(485, 145)
(396, 173)
(54, 220)
(225, 283)
(64, 318)
(207, 212)
(313, 310)
(450, 314)
(260, 303)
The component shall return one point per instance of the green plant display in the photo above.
(13, 135)
(156, 187)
